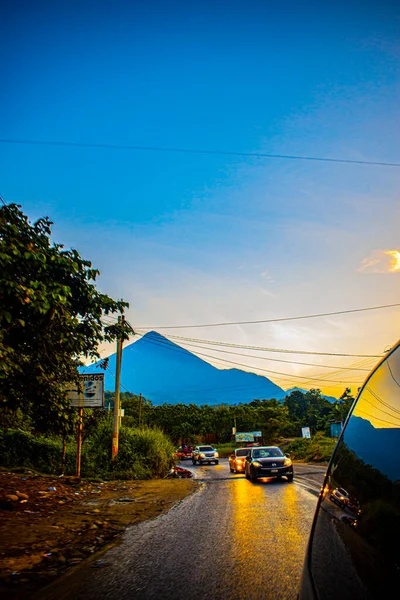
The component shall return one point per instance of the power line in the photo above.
(197, 151)
(263, 349)
(291, 362)
(359, 413)
(313, 316)
(287, 376)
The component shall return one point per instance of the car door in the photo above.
(354, 547)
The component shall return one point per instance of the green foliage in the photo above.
(51, 316)
(146, 452)
(143, 454)
(225, 450)
(317, 449)
(23, 449)
(190, 423)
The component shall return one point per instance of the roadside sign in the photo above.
(305, 432)
(336, 429)
(257, 434)
(91, 392)
(246, 436)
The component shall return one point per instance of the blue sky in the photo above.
(190, 238)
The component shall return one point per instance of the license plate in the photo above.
(274, 470)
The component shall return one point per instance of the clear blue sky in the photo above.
(195, 238)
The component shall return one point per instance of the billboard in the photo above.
(91, 392)
(305, 432)
(246, 436)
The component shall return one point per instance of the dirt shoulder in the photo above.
(50, 524)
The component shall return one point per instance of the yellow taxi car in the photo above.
(237, 460)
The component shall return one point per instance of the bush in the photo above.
(317, 449)
(143, 454)
(20, 448)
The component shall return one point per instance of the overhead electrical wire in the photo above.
(279, 320)
(106, 146)
(260, 348)
(381, 410)
(359, 413)
(278, 373)
(291, 362)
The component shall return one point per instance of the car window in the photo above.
(242, 452)
(355, 544)
(206, 448)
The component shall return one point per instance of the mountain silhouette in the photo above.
(164, 372)
(376, 447)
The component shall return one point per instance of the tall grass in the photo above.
(317, 449)
(143, 454)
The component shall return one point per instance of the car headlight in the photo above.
(287, 462)
(202, 455)
(255, 463)
(216, 455)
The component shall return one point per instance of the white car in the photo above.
(340, 497)
(205, 454)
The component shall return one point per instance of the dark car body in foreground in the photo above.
(268, 461)
(354, 547)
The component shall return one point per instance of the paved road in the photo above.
(232, 540)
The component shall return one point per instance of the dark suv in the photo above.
(354, 547)
(267, 461)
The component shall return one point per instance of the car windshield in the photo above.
(206, 448)
(242, 452)
(342, 492)
(267, 452)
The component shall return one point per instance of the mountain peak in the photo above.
(165, 372)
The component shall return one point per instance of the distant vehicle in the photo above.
(268, 461)
(354, 553)
(340, 497)
(184, 452)
(237, 460)
(205, 454)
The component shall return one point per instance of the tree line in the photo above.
(190, 422)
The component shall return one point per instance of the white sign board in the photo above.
(305, 432)
(91, 394)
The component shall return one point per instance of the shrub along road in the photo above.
(231, 540)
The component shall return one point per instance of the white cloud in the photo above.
(381, 261)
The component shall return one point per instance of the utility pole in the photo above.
(114, 451)
(79, 443)
(140, 410)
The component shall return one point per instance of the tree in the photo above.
(342, 406)
(51, 317)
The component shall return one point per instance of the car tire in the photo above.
(253, 477)
(216, 462)
(290, 478)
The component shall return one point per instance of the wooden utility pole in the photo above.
(114, 450)
(79, 443)
(140, 410)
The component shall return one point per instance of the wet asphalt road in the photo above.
(232, 540)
